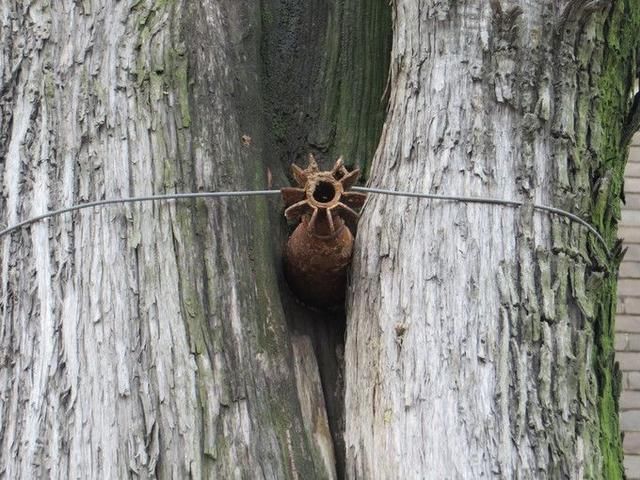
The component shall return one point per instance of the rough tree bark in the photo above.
(159, 340)
(152, 340)
(479, 339)
(145, 340)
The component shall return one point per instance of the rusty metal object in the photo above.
(319, 250)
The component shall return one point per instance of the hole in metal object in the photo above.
(324, 192)
(319, 250)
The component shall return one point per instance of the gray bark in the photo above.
(474, 338)
(144, 340)
(159, 340)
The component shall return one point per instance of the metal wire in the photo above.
(149, 198)
(247, 193)
(492, 201)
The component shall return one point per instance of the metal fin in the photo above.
(297, 210)
(313, 165)
(350, 179)
(348, 215)
(314, 220)
(332, 228)
(299, 175)
(291, 195)
(353, 199)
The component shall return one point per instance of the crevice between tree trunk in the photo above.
(325, 67)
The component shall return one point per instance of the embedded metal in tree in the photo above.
(319, 250)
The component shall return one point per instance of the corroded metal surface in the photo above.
(319, 250)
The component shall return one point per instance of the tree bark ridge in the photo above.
(153, 340)
(484, 326)
(141, 340)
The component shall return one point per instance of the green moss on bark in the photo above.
(329, 99)
(618, 68)
(354, 75)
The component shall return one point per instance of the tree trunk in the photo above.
(479, 340)
(160, 340)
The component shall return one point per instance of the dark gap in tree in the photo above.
(325, 67)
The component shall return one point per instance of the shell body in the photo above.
(317, 267)
(319, 250)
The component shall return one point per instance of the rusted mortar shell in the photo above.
(319, 250)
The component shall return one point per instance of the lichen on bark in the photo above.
(157, 334)
(615, 87)
(161, 340)
(493, 99)
(152, 340)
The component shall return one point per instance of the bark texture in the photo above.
(479, 338)
(326, 67)
(159, 340)
(146, 340)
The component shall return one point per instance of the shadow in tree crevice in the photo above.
(324, 71)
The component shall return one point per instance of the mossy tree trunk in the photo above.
(160, 340)
(480, 338)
